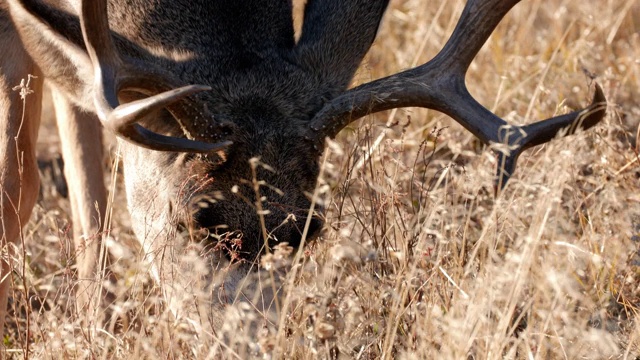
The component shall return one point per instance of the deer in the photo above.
(222, 117)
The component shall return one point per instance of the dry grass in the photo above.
(418, 259)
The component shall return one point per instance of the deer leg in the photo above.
(19, 121)
(81, 140)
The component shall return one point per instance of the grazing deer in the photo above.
(199, 88)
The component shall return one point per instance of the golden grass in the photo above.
(418, 260)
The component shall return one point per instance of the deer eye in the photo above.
(204, 162)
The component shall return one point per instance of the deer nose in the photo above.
(315, 226)
(293, 234)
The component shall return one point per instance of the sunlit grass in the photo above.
(418, 259)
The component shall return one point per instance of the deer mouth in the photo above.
(254, 235)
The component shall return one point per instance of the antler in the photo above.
(112, 75)
(440, 84)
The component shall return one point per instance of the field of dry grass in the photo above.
(418, 259)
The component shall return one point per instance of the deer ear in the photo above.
(53, 38)
(336, 35)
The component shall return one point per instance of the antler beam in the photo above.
(440, 85)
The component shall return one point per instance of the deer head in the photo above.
(225, 115)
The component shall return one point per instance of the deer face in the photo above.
(234, 202)
(248, 195)
(257, 189)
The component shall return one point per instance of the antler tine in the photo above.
(110, 71)
(541, 132)
(440, 84)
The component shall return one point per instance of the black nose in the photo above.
(315, 226)
(293, 234)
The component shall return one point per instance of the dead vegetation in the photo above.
(418, 259)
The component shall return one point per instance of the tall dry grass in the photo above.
(418, 259)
